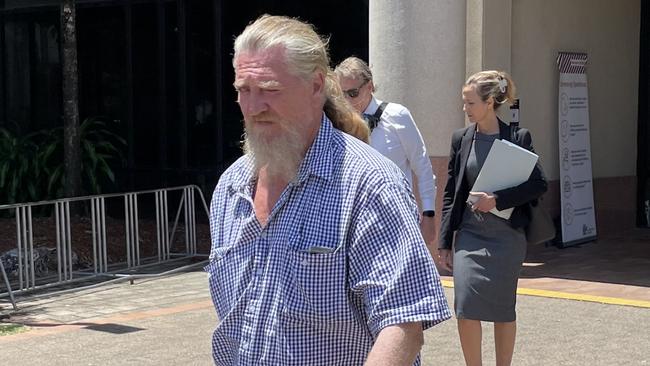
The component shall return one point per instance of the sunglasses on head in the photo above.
(353, 93)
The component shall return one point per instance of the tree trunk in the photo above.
(71, 137)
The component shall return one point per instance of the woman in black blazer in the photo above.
(488, 251)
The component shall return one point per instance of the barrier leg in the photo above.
(11, 294)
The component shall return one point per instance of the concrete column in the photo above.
(489, 35)
(417, 56)
(474, 33)
(489, 39)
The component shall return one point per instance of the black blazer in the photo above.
(457, 191)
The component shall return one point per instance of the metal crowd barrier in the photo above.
(28, 279)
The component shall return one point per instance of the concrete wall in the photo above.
(417, 53)
(609, 32)
(421, 49)
(488, 41)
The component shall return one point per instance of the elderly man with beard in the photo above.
(316, 255)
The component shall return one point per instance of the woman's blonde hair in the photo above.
(495, 84)
(306, 53)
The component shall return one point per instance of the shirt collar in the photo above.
(243, 177)
(372, 106)
(317, 161)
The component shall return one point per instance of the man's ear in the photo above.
(318, 84)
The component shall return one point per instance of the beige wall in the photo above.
(416, 54)
(422, 50)
(609, 32)
(488, 42)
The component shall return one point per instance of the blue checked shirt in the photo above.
(340, 259)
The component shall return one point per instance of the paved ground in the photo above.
(168, 321)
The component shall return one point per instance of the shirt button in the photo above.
(304, 262)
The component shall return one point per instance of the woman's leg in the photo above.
(470, 340)
(504, 342)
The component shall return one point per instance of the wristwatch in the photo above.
(429, 213)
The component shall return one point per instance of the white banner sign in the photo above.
(576, 180)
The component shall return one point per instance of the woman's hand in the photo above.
(483, 201)
(446, 259)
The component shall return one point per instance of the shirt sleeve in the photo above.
(416, 154)
(391, 271)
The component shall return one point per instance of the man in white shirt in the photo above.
(394, 134)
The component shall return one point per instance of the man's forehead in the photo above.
(263, 64)
(260, 79)
(349, 80)
(273, 57)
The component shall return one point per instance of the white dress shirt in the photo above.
(398, 138)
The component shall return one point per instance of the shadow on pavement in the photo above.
(622, 259)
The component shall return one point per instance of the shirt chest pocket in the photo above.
(317, 290)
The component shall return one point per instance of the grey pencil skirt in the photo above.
(488, 256)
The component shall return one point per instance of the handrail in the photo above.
(104, 195)
(26, 279)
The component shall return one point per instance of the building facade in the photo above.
(440, 43)
(161, 69)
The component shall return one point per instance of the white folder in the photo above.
(507, 165)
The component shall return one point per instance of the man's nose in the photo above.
(256, 104)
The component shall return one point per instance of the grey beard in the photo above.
(281, 157)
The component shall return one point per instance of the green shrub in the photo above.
(100, 147)
(20, 167)
(31, 165)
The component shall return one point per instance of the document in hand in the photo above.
(507, 165)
